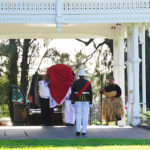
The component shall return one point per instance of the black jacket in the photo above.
(77, 86)
(113, 87)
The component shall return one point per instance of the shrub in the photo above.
(4, 111)
(148, 118)
(4, 90)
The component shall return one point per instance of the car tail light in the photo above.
(30, 98)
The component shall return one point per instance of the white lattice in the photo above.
(74, 6)
(27, 6)
(81, 6)
(74, 11)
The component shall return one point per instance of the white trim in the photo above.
(135, 62)
(118, 68)
(143, 73)
(129, 78)
(74, 11)
(70, 19)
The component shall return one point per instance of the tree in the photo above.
(9, 54)
(4, 92)
(103, 62)
(10, 51)
(104, 58)
(25, 62)
(52, 56)
(12, 63)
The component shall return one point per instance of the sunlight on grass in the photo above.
(83, 148)
(76, 144)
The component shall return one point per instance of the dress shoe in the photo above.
(77, 133)
(83, 133)
(67, 124)
(71, 124)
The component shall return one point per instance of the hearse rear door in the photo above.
(17, 105)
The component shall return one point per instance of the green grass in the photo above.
(73, 144)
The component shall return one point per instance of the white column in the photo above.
(59, 17)
(135, 61)
(118, 67)
(143, 72)
(129, 78)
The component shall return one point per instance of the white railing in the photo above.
(73, 6)
(29, 6)
(77, 6)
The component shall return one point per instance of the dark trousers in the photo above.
(46, 112)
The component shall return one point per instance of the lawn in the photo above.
(74, 144)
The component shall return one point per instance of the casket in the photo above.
(61, 77)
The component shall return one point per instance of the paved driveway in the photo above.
(63, 132)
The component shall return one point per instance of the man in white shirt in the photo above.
(46, 112)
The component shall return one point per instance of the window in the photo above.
(17, 95)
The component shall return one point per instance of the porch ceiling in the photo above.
(48, 31)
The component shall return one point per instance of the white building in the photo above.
(115, 19)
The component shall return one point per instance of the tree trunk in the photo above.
(25, 65)
(12, 66)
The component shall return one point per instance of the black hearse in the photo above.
(26, 109)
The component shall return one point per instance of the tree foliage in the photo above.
(28, 51)
(103, 62)
(52, 56)
(8, 49)
(4, 89)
